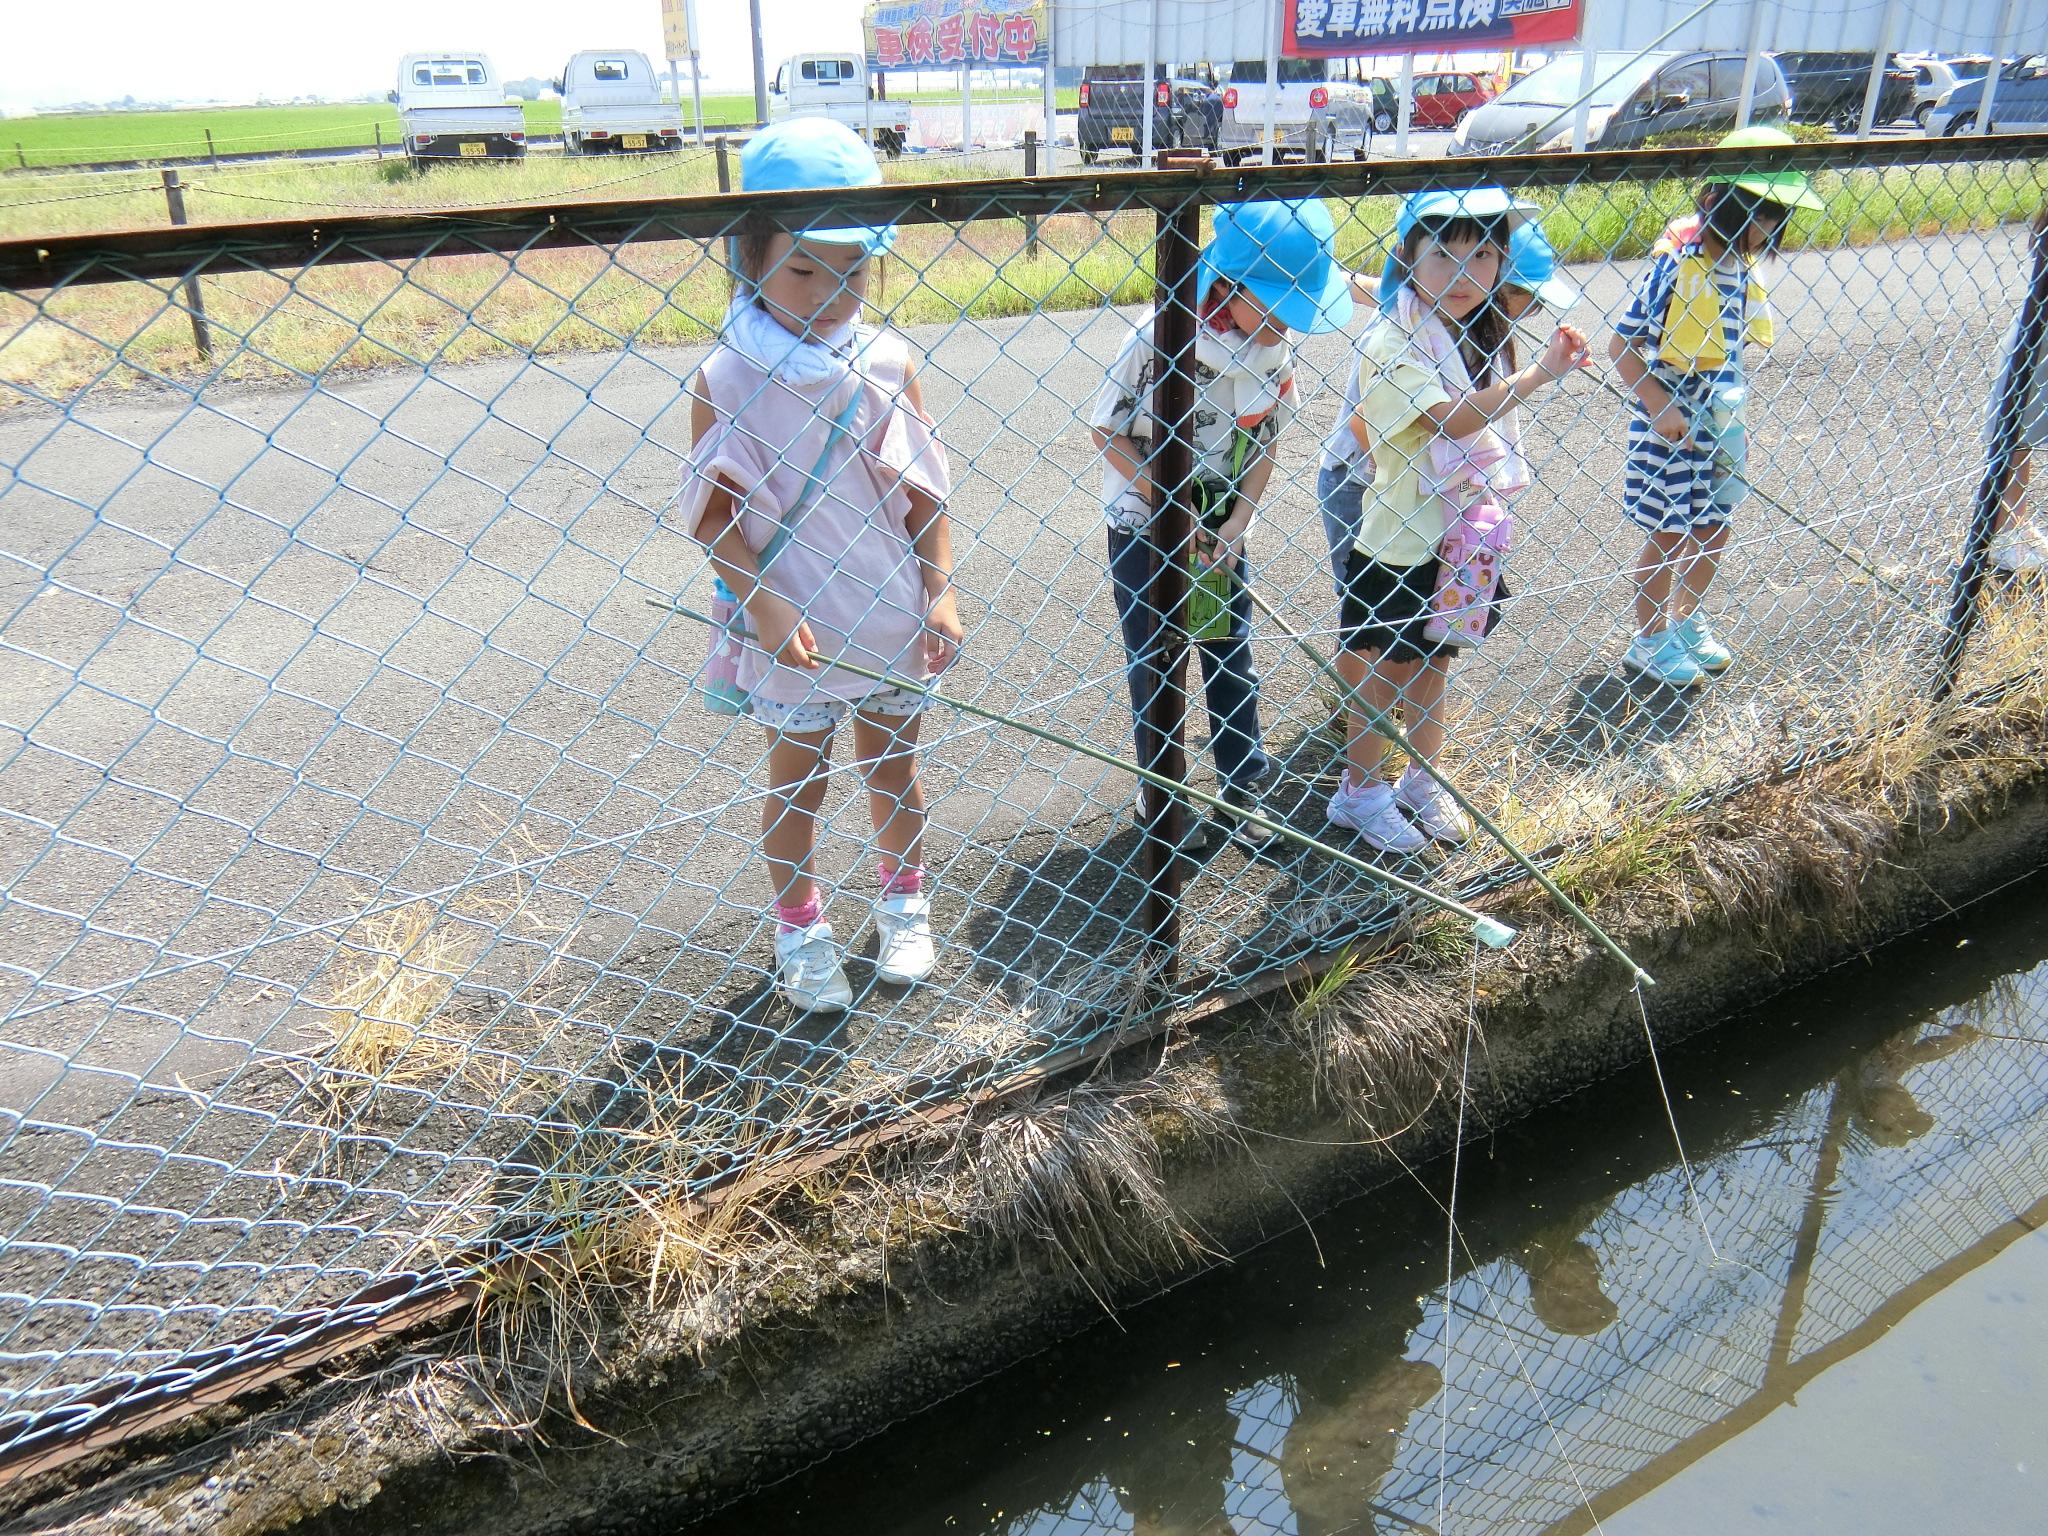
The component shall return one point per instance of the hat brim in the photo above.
(1792, 193)
(1292, 306)
(1554, 293)
(875, 239)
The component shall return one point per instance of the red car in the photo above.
(1440, 100)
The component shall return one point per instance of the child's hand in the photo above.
(1671, 423)
(943, 635)
(1225, 546)
(781, 630)
(1567, 351)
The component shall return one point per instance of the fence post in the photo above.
(1030, 170)
(724, 168)
(211, 154)
(378, 130)
(21, 154)
(2009, 405)
(202, 338)
(1162, 727)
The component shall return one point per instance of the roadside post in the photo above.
(195, 303)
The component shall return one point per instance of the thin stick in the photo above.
(1384, 725)
(1490, 930)
(1727, 466)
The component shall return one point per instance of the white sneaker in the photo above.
(812, 978)
(1375, 815)
(1436, 813)
(906, 953)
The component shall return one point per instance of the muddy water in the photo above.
(1832, 1317)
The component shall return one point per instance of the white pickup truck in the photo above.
(451, 106)
(835, 85)
(611, 102)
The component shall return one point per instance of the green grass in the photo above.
(38, 143)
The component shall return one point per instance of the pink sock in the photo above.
(800, 915)
(901, 879)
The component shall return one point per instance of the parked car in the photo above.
(611, 102)
(1636, 97)
(1935, 77)
(1442, 100)
(452, 106)
(1186, 108)
(2019, 105)
(1310, 105)
(1829, 88)
(836, 85)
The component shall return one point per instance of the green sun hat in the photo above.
(1789, 188)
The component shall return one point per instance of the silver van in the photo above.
(1635, 97)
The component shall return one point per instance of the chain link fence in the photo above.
(377, 888)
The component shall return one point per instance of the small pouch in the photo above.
(1470, 560)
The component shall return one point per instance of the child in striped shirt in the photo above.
(1679, 348)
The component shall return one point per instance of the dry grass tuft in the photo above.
(1078, 1173)
(1382, 1032)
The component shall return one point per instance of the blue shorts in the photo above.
(1689, 487)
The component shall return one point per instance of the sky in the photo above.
(234, 50)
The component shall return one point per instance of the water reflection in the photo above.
(1595, 1334)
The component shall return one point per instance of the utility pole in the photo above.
(760, 67)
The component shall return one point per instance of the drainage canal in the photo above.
(1838, 1322)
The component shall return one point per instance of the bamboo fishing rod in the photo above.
(1383, 724)
(1727, 466)
(1490, 931)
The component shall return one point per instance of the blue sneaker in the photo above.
(1663, 658)
(1713, 657)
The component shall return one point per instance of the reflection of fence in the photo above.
(1607, 1352)
(373, 880)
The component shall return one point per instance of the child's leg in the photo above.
(1653, 571)
(789, 817)
(1423, 694)
(1697, 570)
(887, 748)
(1381, 684)
(1145, 641)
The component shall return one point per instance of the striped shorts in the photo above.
(1693, 486)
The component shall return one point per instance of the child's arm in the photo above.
(1228, 538)
(1132, 459)
(1471, 412)
(1667, 417)
(931, 535)
(779, 628)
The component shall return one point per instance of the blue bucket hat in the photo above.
(1483, 203)
(1532, 264)
(807, 152)
(1280, 251)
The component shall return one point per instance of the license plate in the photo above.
(632, 141)
(471, 150)
(1122, 135)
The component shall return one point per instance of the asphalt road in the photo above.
(279, 655)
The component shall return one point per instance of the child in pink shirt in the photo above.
(819, 487)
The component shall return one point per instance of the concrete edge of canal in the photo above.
(870, 1326)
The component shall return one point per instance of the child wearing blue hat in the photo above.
(817, 482)
(1432, 410)
(1266, 273)
(1529, 283)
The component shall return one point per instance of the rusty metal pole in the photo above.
(2016, 384)
(1030, 170)
(724, 166)
(1162, 725)
(202, 337)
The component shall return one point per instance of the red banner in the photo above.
(1323, 29)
